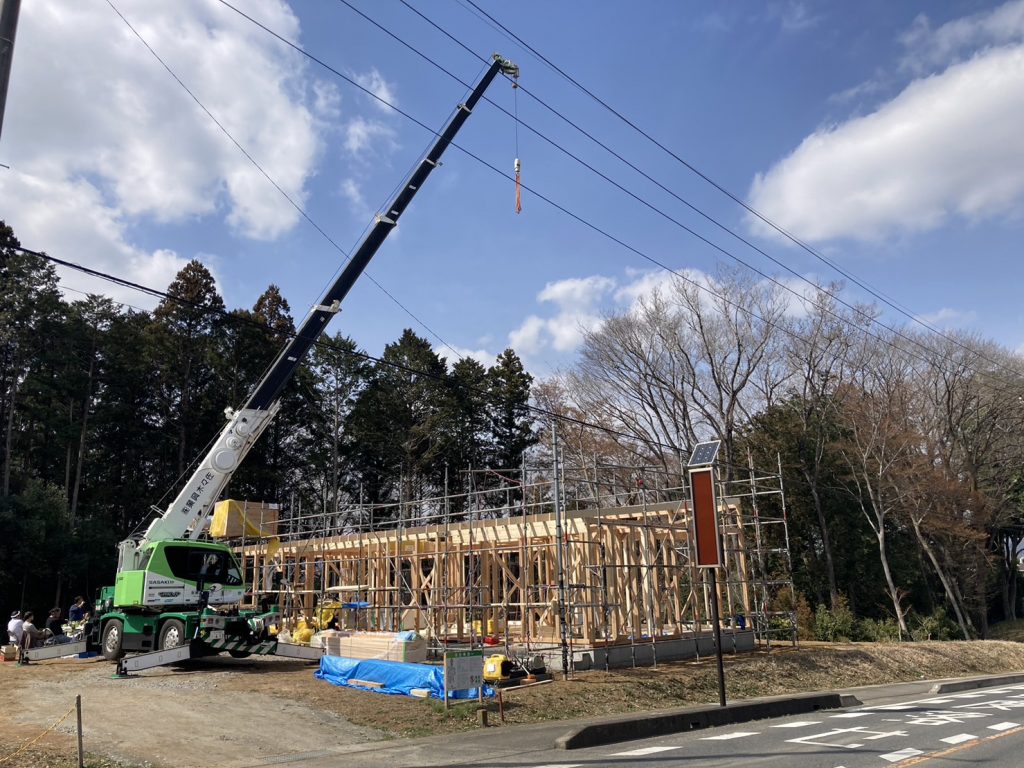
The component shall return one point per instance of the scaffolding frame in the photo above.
(544, 558)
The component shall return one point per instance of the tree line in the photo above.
(901, 452)
(104, 408)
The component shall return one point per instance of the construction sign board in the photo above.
(705, 518)
(463, 670)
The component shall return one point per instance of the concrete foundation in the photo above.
(645, 655)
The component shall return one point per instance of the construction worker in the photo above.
(15, 629)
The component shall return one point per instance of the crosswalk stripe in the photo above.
(903, 754)
(798, 724)
(960, 738)
(643, 751)
(851, 714)
(734, 735)
(1003, 726)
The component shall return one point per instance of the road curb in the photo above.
(694, 718)
(953, 686)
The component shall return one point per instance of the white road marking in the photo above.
(903, 754)
(936, 701)
(896, 707)
(643, 751)
(852, 714)
(1003, 726)
(798, 724)
(727, 736)
(960, 738)
(970, 695)
(558, 765)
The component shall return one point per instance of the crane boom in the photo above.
(185, 514)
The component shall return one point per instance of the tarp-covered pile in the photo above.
(394, 677)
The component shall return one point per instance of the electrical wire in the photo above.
(857, 310)
(586, 223)
(302, 212)
(551, 202)
(876, 293)
(778, 262)
(164, 296)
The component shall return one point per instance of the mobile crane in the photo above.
(169, 582)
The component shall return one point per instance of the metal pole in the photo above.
(562, 629)
(78, 711)
(8, 27)
(718, 636)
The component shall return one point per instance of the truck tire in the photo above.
(112, 640)
(172, 634)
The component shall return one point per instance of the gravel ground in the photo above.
(235, 712)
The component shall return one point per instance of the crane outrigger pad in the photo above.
(293, 651)
(44, 652)
(153, 659)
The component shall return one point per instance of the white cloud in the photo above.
(482, 356)
(576, 300)
(361, 134)
(528, 338)
(352, 192)
(69, 219)
(577, 294)
(326, 101)
(793, 16)
(948, 145)
(374, 82)
(580, 304)
(108, 126)
(947, 317)
(928, 48)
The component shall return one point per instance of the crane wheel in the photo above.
(172, 634)
(112, 641)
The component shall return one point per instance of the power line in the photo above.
(877, 293)
(857, 310)
(546, 199)
(590, 225)
(270, 179)
(852, 307)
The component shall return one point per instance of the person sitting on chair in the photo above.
(55, 628)
(31, 635)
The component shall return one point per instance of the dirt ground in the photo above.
(235, 712)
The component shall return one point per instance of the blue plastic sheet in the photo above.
(396, 677)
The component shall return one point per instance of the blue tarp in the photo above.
(395, 677)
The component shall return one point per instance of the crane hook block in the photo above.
(508, 67)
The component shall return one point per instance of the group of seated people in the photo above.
(23, 632)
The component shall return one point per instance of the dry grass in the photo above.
(814, 666)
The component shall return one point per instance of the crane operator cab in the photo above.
(171, 574)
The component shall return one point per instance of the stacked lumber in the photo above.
(384, 646)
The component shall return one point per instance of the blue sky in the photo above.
(887, 135)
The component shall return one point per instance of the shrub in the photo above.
(878, 630)
(834, 625)
(937, 626)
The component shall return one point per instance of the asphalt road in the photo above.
(980, 727)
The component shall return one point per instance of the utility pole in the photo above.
(8, 26)
(563, 630)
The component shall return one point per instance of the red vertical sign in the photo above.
(705, 518)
